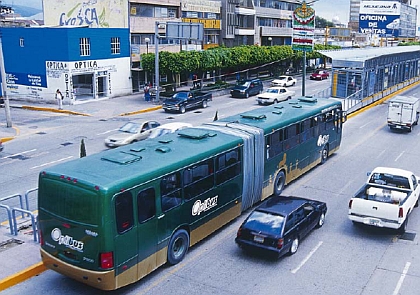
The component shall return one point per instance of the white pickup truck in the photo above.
(387, 199)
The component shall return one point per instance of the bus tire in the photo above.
(178, 246)
(279, 183)
(324, 155)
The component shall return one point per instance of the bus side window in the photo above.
(228, 166)
(198, 179)
(146, 206)
(124, 212)
(276, 143)
(170, 191)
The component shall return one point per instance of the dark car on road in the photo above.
(319, 75)
(279, 223)
(246, 88)
(184, 100)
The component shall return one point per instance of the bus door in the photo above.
(125, 241)
(169, 217)
(147, 228)
(333, 120)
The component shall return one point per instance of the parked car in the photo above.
(246, 88)
(284, 81)
(168, 128)
(279, 223)
(319, 75)
(275, 95)
(131, 132)
(184, 100)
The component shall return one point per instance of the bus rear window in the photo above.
(69, 201)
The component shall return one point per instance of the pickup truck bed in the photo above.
(386, 200)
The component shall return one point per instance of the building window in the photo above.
(115, 45)
(84, 47)
(21, 42)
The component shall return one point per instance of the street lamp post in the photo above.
(147, 40)
(270, 40)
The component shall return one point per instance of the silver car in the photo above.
(131, 132)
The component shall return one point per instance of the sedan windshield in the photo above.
(130, 128)
(244, 83)
(272, 90)
(265, 222)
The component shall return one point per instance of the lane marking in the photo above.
(18, 154)
(399, 156)
(307, 258)
(102, 133)
(53, 162)
(401, 280)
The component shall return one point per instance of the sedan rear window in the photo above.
(265, 222)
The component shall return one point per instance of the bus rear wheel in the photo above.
(324, 155)
(178, 246)
(279, 183)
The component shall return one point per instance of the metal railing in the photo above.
(23, 210)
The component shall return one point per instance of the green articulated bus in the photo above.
(111, 218)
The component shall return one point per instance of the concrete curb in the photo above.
(53, 110)
(21, 276)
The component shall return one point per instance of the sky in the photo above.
(329, 9)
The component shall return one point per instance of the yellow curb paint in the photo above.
(53, 110)
(21, 276)
(141, 111)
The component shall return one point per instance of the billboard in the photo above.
(90, 13)
(303, 28)
(380, 18)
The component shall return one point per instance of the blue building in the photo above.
(84, 63)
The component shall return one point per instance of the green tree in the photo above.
(323, 23)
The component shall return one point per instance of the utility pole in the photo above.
(4, 85)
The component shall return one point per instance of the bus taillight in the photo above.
(107, 260)
(41, 238)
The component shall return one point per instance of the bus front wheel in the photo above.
(178, 246)
(279, 183)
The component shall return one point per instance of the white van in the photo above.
(403, 112)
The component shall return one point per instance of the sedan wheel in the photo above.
(204, 104)
(247, 94)
(182, 109)
(295, 246)
(275, 101)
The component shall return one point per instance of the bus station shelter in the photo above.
(361, 73)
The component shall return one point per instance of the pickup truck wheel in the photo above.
(321, 220)
(279, 183)
(294, 247)
(403, 226)
(182, 109)
(204, 104)
(324, 155)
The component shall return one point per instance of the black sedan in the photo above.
(279, 223)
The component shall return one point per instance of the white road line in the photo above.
(380, 154)
(401, 280)
(53, 162)
(363, 126)
(102, 133)
(399, 156)
(25, 152)
(307, 257)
